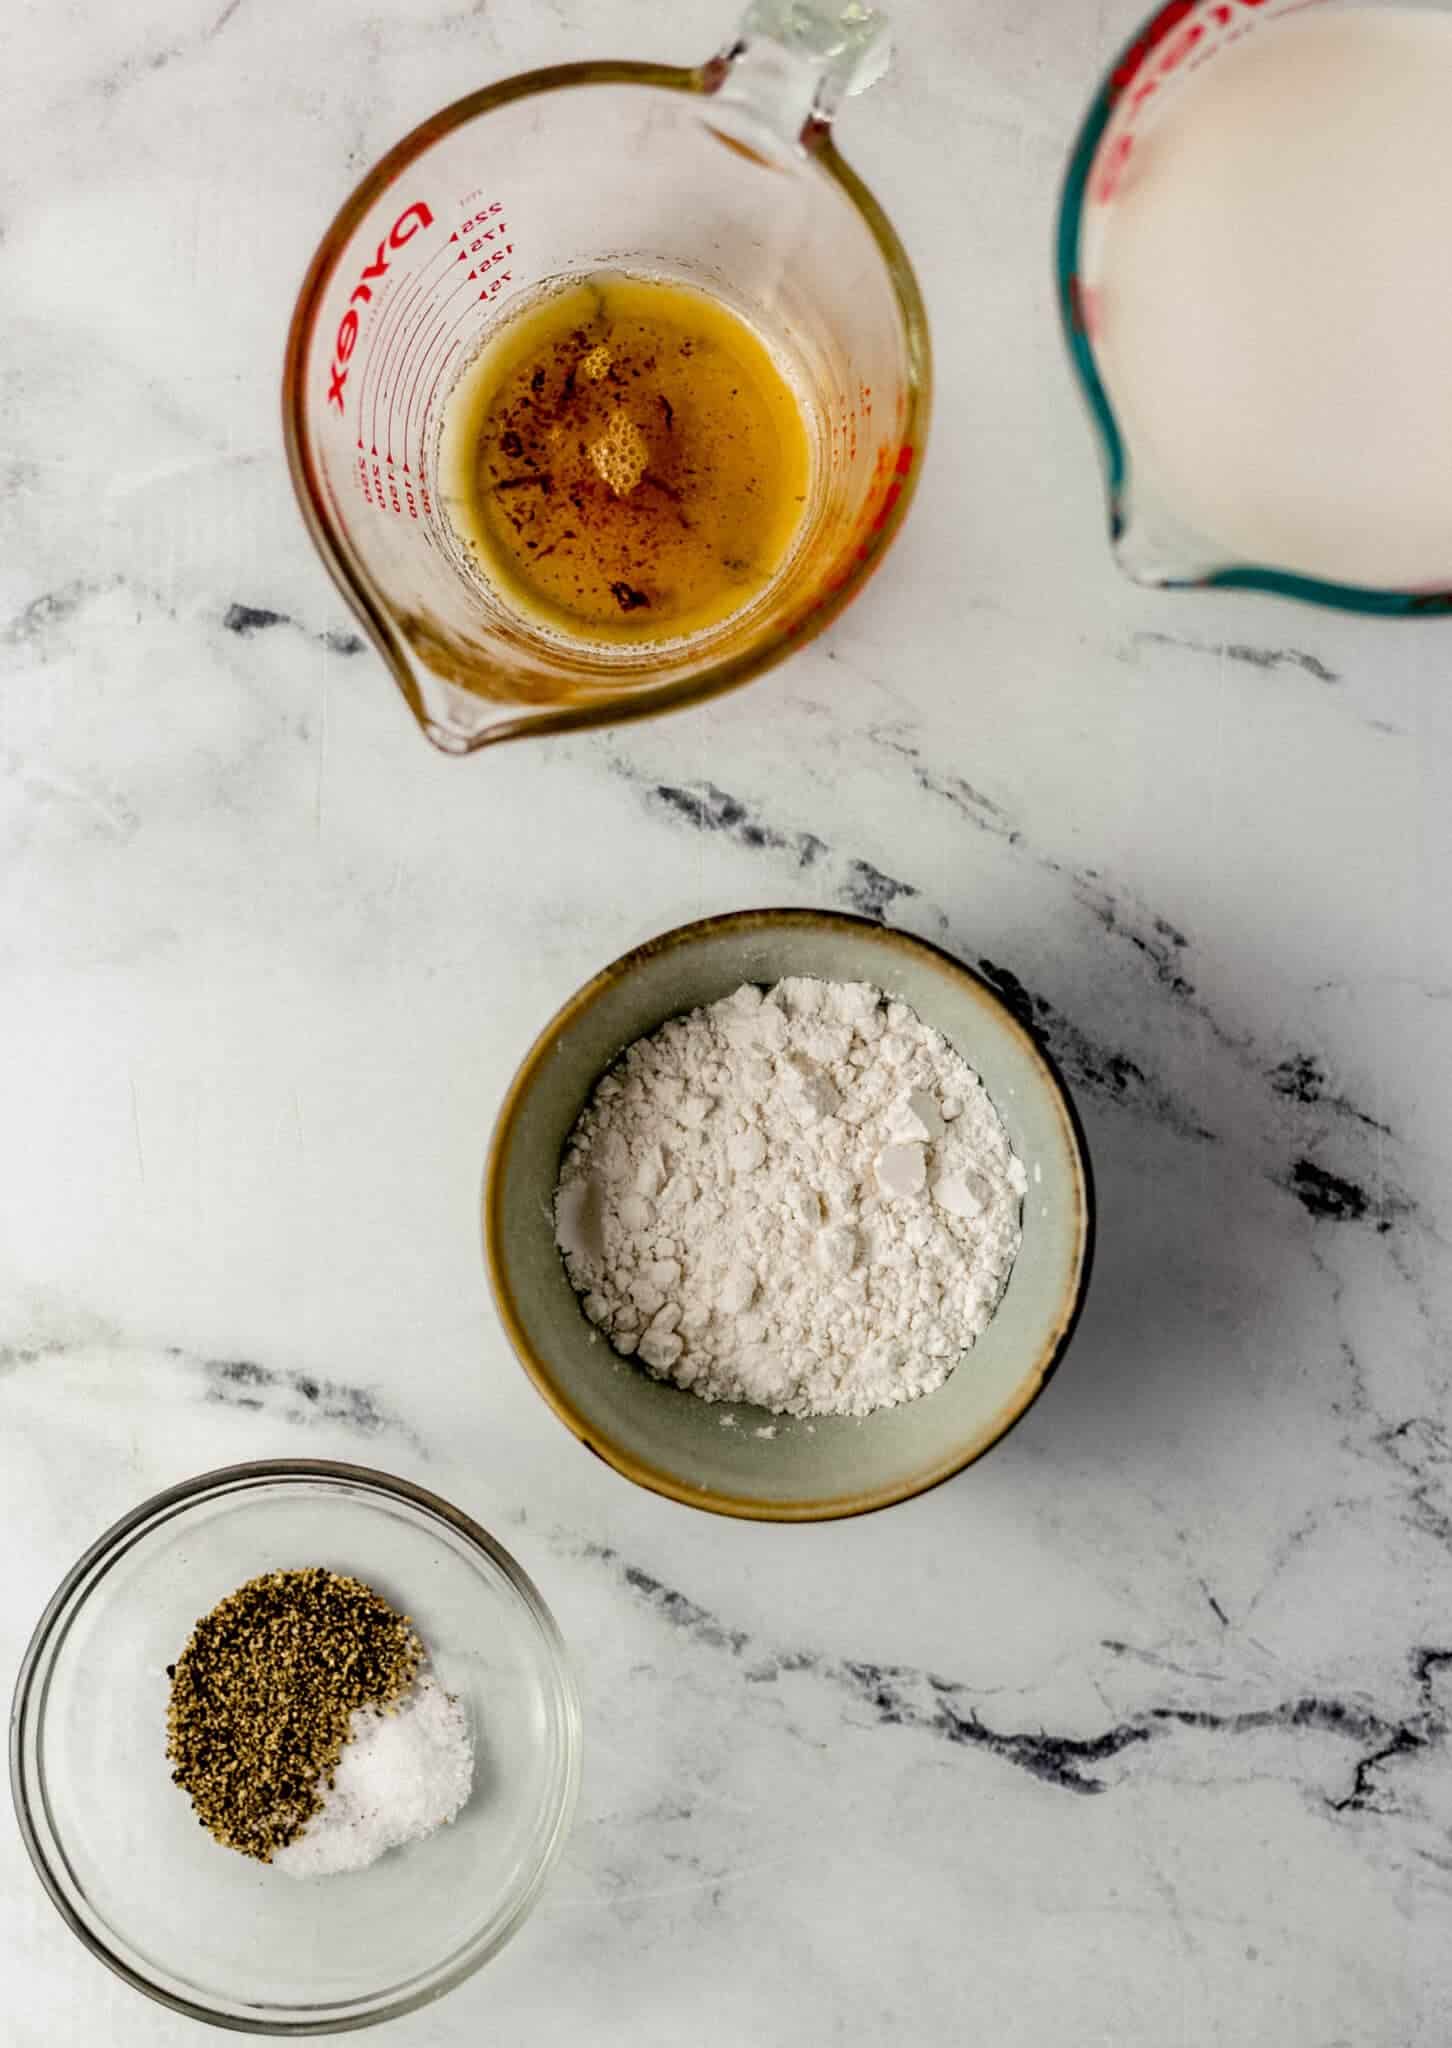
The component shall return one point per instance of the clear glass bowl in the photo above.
(214, 1934)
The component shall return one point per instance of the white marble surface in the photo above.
(268, 962)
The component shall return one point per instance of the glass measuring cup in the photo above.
(1153, 542)
(724, 176)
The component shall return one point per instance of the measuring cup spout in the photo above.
(792, 62)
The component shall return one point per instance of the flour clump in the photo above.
(802, 1198)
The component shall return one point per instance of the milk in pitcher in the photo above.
(1273, 306)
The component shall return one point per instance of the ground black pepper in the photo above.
(262, 1695)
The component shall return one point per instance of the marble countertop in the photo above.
(269, 961)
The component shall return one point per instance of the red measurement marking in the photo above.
(440, 339)
(409, 342)
(433, 391)
(361, 300)
(411, 354)
(434, 308)
(421, 310)
(423, 423)
(413, 389)
(368, 282)
(408, 299)
(443, 339)
(422, 429)
(368, 429)
(1083, 308)
(1178, 32)
(409, 287)
(890, 470)
(396, 389)
(1128, 67)
(890, 498)
(496, 283)
(405, 295)
(1109, 173)
(419, 318)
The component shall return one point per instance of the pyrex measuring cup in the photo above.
(1153, 542)
(723, 176)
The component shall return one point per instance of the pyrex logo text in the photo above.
(346, 340)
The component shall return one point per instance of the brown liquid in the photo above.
(626, 461)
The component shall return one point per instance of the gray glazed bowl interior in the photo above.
(768, 1466)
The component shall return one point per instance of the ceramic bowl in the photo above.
(774, 1467)
(216, 1935)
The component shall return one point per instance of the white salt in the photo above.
(401, 1775)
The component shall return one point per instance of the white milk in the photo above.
(1273, 315)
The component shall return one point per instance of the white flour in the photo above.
(806, 1201)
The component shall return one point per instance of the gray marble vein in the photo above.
(298, 1398)
(1243, 651)
(247, 619)
(1163, 952)
(898, 1696)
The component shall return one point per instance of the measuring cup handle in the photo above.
(792, 62)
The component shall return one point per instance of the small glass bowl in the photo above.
(217, 1935)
